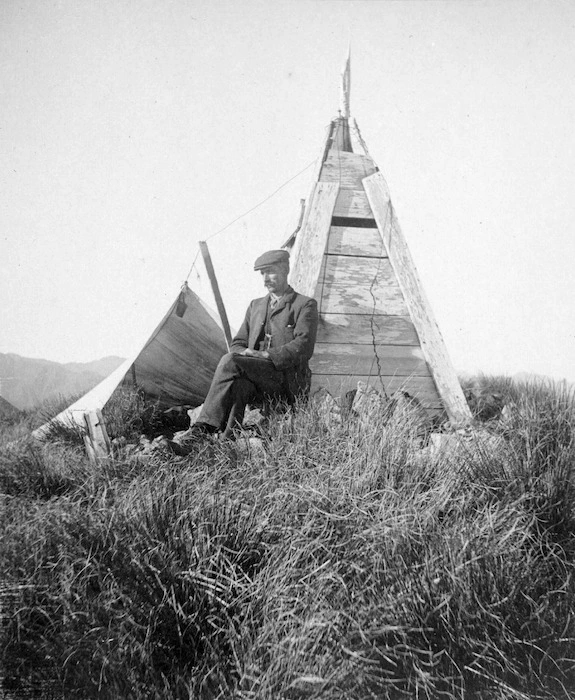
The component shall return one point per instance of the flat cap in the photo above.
(272, 257)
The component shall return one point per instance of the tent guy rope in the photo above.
(249, 211)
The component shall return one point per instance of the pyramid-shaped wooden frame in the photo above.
(376, 325)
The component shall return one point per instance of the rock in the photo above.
(510, 414)
(176, 417)
(182, 443)
(181, 436)
(403, 405)
(484, 404)
(121, 448)
(327, 407)
(194, 414)
(464, 442)
(249, 445)
(368, 402)
(253, 417)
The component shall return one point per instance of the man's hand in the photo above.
(256, 353)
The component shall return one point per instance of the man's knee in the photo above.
(227, 364)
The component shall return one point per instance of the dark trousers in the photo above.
(239, 380)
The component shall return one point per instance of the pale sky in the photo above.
(129, 130)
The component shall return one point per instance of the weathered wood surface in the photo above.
(360, 329)
(359, 145)
(359, 285)
(96, 440)
(399, 360)
(422, 388)
(353, 204)
(358, 270)
(345, 299)
(420, 311)
(306, 264)
(346, 169)
(297, 243)
(341, 140)
(289, 243)
(346, 240)
(327, 141)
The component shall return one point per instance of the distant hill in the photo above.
(101, 367)
(28, 382)
(7, 410)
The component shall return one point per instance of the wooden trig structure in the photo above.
(376, 324)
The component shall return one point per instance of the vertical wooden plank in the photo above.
(97, 442)
(288, 245)
(420, 310)
(306, 266)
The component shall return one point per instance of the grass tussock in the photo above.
(335, 559)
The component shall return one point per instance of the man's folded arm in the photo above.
(301, 347)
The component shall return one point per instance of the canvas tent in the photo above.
(174, 364)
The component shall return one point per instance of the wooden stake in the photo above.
(97, 442)
(216, 291)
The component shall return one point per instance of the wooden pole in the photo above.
(216, 290)
(96, 439)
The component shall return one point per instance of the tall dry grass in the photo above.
(334, 560)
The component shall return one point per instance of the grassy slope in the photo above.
(338, 561)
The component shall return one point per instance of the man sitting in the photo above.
(268, 356)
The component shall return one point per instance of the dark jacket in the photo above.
(293, 325)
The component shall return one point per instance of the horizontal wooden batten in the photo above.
(422, 388)
(353, 222)
(360, 329)
(347, 169)
(358, 271)
(352, 241)
(359, 285)
(344, 299)
(399, 360)
(353, 203)
(347, 297)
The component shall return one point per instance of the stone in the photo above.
(194, 414)
(464, 442)
(368, 402)
(327, 407)
(253, 417)
(249, 446)
(485, 405)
